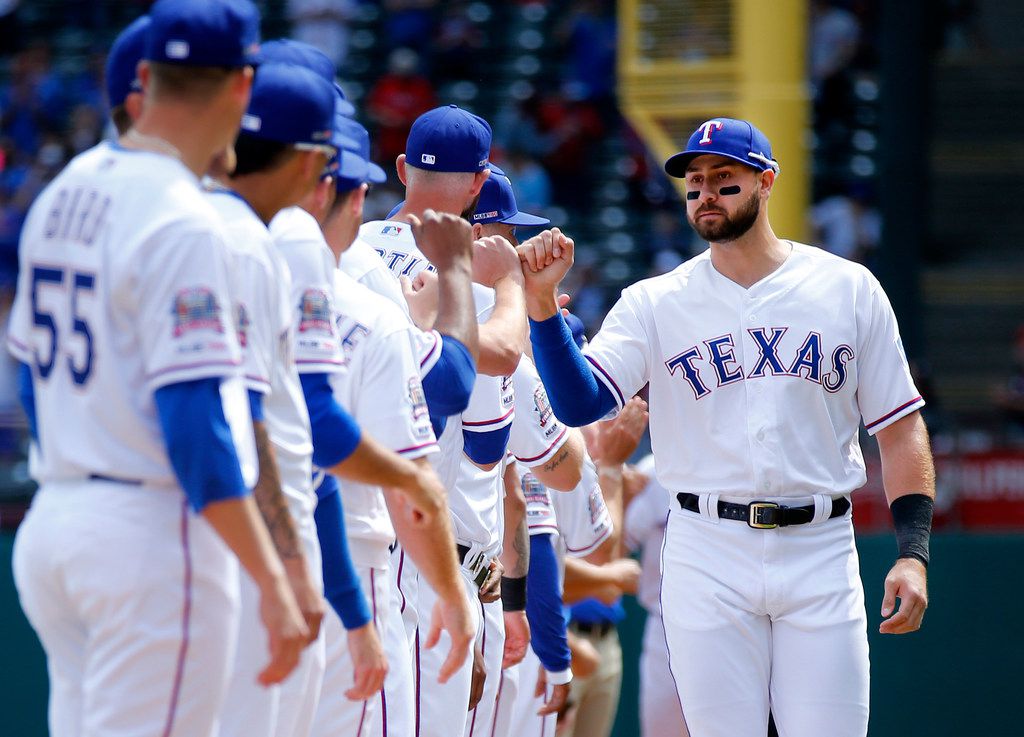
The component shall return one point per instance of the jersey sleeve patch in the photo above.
(195, 309)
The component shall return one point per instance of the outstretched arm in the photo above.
(909, 478)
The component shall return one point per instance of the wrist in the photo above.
(541, 307)
(912, 522)
(513, 593)
(610, 470)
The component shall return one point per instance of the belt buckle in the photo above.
(478, 565)
(754, 510)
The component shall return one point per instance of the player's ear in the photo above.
(133, 105)
(478, 181)
(357, 200)
(400, 168)
(142, 73)
(767, 181)
(478, 231)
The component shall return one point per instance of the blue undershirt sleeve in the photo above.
(449, 383)
(27, 396)
(544, 606)
(577, 397)
(342, 588)
(485, 448)
(335, 432)
(199, 442)
(256, 406)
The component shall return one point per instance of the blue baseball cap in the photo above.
(734, 139)
(575, 324)
(123, 60)
(204, 33)
(290, 51)
(349, 168)
(290, 104)
(497, 204)
(449, 139)
(353, 130)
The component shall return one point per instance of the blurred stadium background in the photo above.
(896, 124)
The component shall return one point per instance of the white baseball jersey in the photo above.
(536, 433)
(380, 385)
(299, 240)
(759, 392)
(262, 284)
(123, 288)
(476, 508)
(365, 264)
(643, 531)
(580, 517)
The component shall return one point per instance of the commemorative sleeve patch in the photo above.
(243, 323)
(315, 312)
(196, 308)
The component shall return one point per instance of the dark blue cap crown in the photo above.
(734, 139)
(290, 104)
(449, 139)
(497, 204)
(353, 130)
(204, 33)
(123, 60)
(290, 51)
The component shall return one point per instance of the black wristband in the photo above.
(513, 594)
(912, 520)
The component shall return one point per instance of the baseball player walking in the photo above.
(763, 356)
(144, 448)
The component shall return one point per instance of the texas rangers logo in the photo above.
(315, 311)
(196, 308)
(706, 128)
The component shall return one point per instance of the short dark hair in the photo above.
(188, 83)
(122, 120)
(257, 155)
(340, 200)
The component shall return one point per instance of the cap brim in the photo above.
(496, 169)
(342, 142)
(351, 166)
(341, 105)
(676, 165)
(525, 218)
(374, 174)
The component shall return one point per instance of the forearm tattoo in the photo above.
(270, 499)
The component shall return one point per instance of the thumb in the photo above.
(406, 285)
(889, 598)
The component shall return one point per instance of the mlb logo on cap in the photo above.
(733, 139)
(449, 139)
(497, 203)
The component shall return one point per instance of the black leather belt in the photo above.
(593, 628)
(764, 515)
(469, 565)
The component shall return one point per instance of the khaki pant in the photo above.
(597, 697)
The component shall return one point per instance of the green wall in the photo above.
(961, 675)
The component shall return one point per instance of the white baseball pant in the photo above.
(766, 618)
(492, 647)
(395, 717)
(660, 713)
(135, 600)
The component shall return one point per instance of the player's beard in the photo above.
(727, 228)
(468, 213)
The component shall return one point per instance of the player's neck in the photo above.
(750, 258)
(265, 196)
(175, 131)
(417, 204)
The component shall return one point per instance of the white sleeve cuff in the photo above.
(560, 677)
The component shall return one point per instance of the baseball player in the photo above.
(644, 532)
(282, 149)
(380, 381)
(763, 356)
(144, 449)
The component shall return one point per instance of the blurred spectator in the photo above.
(571, 128)
(324, 24)
(396, 100)
(457, 43)
(409, 23)
(590, 34)
(835, 33)
(847, 225)
(1010, 396)
(530, 181)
